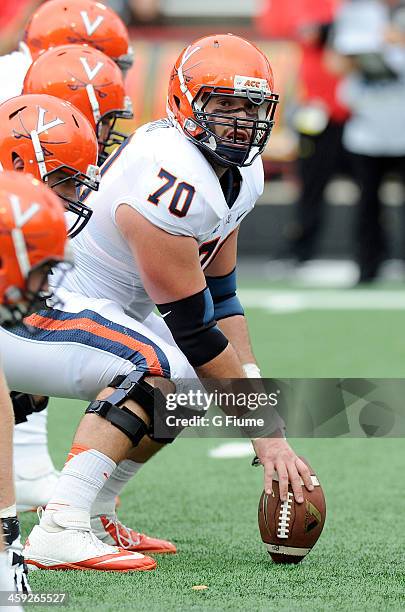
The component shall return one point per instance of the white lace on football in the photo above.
(125, 541)
(285, 517)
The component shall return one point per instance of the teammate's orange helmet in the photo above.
(65, 22)
(214, 69)
(88, 79)
(33, 238)
(50, 136)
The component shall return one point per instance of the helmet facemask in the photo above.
(246, 138)
(125, 61)
(90, 180)
(107, 135)
(21, 303)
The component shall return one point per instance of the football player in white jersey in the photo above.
(54, 23)
(163, 232)
(32, 239)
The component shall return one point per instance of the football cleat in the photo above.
(31, 493)
(110, 530)
(75, 547)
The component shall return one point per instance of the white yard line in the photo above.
(285, 301)
(231, 450)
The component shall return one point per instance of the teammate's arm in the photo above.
(234, 326)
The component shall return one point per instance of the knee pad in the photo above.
(112, 408)
(23, 405)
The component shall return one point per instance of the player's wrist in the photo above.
(251, 370)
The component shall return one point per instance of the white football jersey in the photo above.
(167, 179)
(13, 68)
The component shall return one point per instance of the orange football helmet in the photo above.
(53, 141)
(222, 68)
(33, 238)
(65, 22)
(88, 79)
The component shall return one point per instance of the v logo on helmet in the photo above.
(91, 27)
(42, 126)
(91, 72)
(22, 217)
(17, 235)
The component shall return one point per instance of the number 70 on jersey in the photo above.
(182, 193)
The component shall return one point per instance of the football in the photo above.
(290, 530)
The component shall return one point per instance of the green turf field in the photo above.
(208, 506)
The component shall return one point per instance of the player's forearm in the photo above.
(228, 312)
(223, 366)
(236, 330)
(7, 495)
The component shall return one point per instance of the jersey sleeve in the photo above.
(163, 192)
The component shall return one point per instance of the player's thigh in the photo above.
(76, 350)
(57, 369)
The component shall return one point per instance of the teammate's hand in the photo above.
(275, 454)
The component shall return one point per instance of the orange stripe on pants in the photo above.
(87, 325)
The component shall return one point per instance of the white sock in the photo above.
(105, 500)
(83, 476)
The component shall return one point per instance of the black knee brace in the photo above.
(24, 404)
(132, 386)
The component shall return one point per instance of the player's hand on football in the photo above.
(275, 454)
